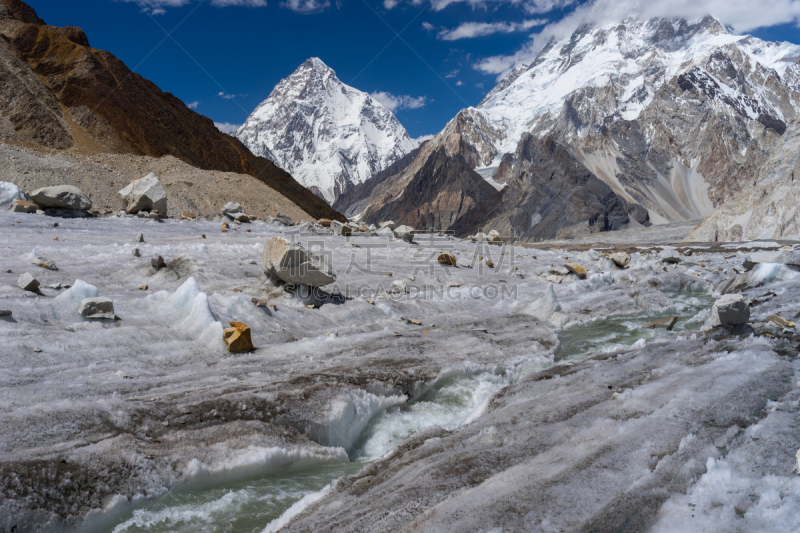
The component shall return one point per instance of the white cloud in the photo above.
(452, 74)
(459, 83)
(530, 6)
(306, 7)
(227, 127)
(398, 102)
(227, 96)
(743, 15)
(157, 7)
(193, 105)
(470, 30)
(422, 138)
(428, 26)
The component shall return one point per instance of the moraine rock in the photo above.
(341, 229)
(286, 220)
(44, 263)
(237, 337)
(27, 282)
(463, 262)
(139, 238)
(398, 287)
(404, 233)
(389, 224)
(21, 206)
(730, 310)
(446, 258)
(576, 269)
(157, 262)
(234, 211)
(325, 222)
(97, 308)
(61, 197)
(292, 264)
(146, 194)
(621, 259)
(670, 255)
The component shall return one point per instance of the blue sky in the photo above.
(225, 56)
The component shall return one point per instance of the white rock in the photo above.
(27, 282)
(384, 232)
(98, 307)
(294, 265)
(61, 197)
(398, 287)
(621, 259)
(146, 194)
(463, 262)
(389, 224)
(479, 237)
(669, 255)
(730, 310)
(405, 233)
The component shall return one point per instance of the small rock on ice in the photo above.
(21, 206)
(139, 238)
(44, 263)
(292, 264)
(98, 307)
(27, 282)
(157, 262)
(237, 337)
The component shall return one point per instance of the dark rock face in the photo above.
(441, 192)
(353, 201)
(120, 110)
(547, 191)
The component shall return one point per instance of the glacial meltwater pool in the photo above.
(249, 505)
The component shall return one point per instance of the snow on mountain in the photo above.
(328, 135)
(634, 59)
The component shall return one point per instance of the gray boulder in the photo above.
(97, 308)
(294, 265)
(157, 262)
(730, 310)
(287, 220)
(389, 224)
(61, 197)
(27, 282)
(146, 194)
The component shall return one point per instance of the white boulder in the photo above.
(294, 265)
(405, 233)
(146, 194)
(669, 255)
(61, 197)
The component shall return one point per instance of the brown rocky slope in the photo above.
(118, 110)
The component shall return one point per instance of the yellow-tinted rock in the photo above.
(782, 322)
(575, 268)
(446, 258)
(237, 337)
(325, 222)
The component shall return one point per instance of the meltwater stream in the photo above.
(249, 505)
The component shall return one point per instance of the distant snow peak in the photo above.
(328, 135)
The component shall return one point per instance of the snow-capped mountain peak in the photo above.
(328, 135)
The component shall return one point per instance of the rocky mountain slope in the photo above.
(675, 117)
(62, 93)
(328, 135)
